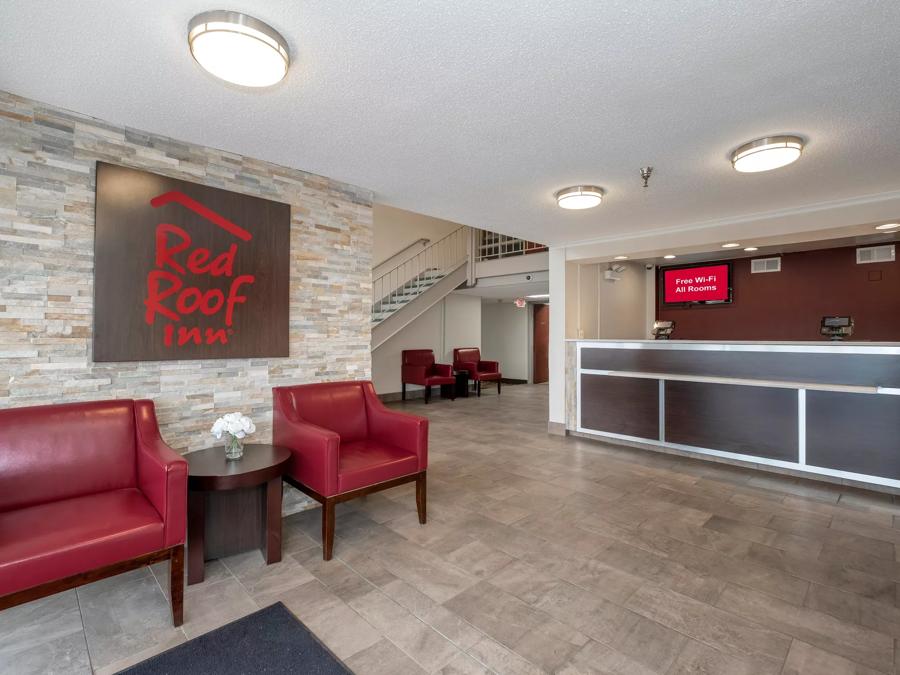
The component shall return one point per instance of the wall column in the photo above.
(557, 348)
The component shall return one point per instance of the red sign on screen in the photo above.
(697, 284)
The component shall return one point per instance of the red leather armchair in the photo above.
(87, 490)
(346, 444)
(469, 359)
(419, 368)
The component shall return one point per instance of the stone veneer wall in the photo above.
(47, 180)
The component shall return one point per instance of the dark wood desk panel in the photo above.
(620, 405)
(853, 432)
(828, 368)
(757, 421)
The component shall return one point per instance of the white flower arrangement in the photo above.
(235, 424)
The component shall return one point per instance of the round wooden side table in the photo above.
(234, 505)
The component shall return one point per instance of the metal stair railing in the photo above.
(411, 278)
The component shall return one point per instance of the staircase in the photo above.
(403, 293)
(383, 308)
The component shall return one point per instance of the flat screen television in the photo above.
(706, 284)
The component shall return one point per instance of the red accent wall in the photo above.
(789, 305)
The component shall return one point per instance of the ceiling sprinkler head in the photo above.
(645, 174)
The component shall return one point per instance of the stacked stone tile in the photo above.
(47, 177)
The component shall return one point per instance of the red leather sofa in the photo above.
(87, 490)
(346, 444)
(469, 359)
(418, 367)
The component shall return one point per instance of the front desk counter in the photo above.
(825, 408)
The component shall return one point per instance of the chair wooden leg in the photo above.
(403, 391)
(327, 528)
(478, 387)
(420, 497)
(499, 383)
(176, 584)
(427, 394)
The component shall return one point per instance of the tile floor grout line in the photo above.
(87, 647)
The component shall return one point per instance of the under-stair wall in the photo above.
(454, 321)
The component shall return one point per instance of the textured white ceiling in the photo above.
(477, 111)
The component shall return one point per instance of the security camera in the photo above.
(648, 267)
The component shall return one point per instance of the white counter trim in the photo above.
(801, 427)
(780, 384)
(889, 349)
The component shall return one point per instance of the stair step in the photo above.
(395, 301)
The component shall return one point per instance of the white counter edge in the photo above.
(874, 348)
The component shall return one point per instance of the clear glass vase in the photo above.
(234, 447)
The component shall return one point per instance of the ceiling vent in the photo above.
(875, 254)
(760, 265)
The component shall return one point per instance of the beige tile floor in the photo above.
(541, 555)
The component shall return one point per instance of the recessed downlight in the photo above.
(888, 226)
(669, 257)
(765, 154)
(750, 249)
(732, 244)
(621, 257)
(579, 197)
(237, 48)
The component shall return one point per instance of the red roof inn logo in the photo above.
(170, 294)
(188, 271)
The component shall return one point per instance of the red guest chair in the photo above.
(87, 491)
(346, 444)
(419, 368)
(469, 359)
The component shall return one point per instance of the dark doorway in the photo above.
(541, 343)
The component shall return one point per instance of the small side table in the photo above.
(234, 506)
(462, 383)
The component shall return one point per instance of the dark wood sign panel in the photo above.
(186, 271)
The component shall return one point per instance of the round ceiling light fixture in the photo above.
(750, 249)
(888, 226)
(621, 257)
(579, 197)
(669, 257)
(765, 154)
(732, 244)
(238, 48)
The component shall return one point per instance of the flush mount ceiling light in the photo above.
(750, 249)
(888, 226)
(238, 48)
(538, 296)
(669, 257)
(765, 154)
(621, 257)
(732, 244)
(579, 197)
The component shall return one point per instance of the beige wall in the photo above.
(621, 305)
(396, 228)
(570, 298)
(505, 337)
(453, 322)
(609, 309)
(47, 179)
